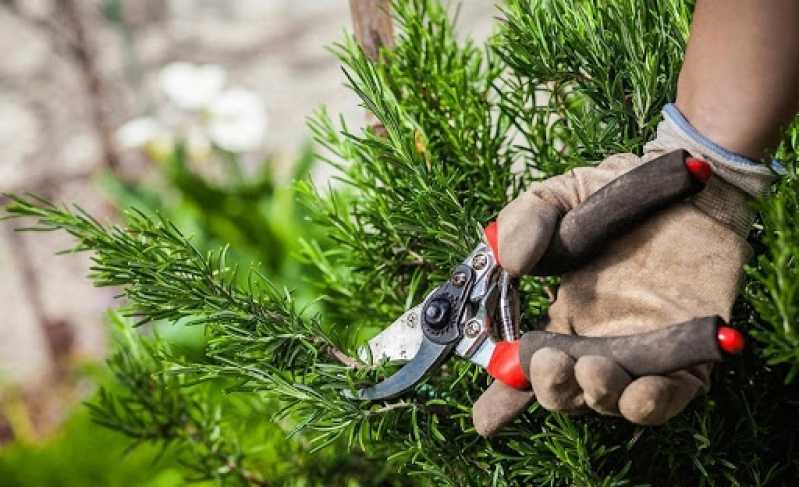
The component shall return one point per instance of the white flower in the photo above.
(137, 133)
(191, 86)
(147, 134)
(237, 121)
(198, 146)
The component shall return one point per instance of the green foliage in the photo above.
(154, 405)
(181, 433)
(774, 286)
(165, 277)
(83, 454)
(443, 159)
(258, 217)
(461, 131)
(256, 338)
(227, 438)
(588, 78)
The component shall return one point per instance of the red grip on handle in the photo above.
(730, 340)
(505, 365)
(491, 233)
(699, 169)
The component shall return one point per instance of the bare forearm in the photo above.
(739, 84)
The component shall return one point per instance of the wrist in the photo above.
(732, 125)
(736, 179)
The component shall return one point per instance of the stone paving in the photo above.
(48, 143)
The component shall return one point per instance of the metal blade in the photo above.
(399, 342)
(430, 355)
(482, 356)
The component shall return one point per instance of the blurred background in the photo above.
(194, 109)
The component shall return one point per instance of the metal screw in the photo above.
(472, 328)
(479, 261)
(459, 279)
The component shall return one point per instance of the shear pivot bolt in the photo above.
(479, 261)
(459, 279)
(436, 314)
(472, 328)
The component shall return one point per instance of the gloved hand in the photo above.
(684, 262)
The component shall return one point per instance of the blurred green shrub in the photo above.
(263, 224)
(257, 216)
(83, 454)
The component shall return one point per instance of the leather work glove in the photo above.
(685, 261)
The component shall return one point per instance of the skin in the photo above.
(739, 84)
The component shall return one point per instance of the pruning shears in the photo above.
(475, 313)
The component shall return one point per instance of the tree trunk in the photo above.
(371, 20)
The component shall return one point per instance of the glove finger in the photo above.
(568, 190)
(497, 406)
(553, 381)
(525, 228)
(602, 381)
(653, 400)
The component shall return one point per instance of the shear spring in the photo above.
(508, 308)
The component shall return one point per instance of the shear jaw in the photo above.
(457, 316)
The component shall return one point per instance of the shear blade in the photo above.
(429, 356)
(399, 342)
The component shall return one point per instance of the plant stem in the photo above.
(83, 50)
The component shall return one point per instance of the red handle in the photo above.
(492, 239)
(730, 340)
(659, 352)
(506, 367)
(699, 169)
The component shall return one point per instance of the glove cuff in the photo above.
(736, 179)
(726, 204)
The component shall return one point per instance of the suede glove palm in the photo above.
(684, 262)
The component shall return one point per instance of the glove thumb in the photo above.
(497, 406)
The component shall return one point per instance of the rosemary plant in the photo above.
(560, 84)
